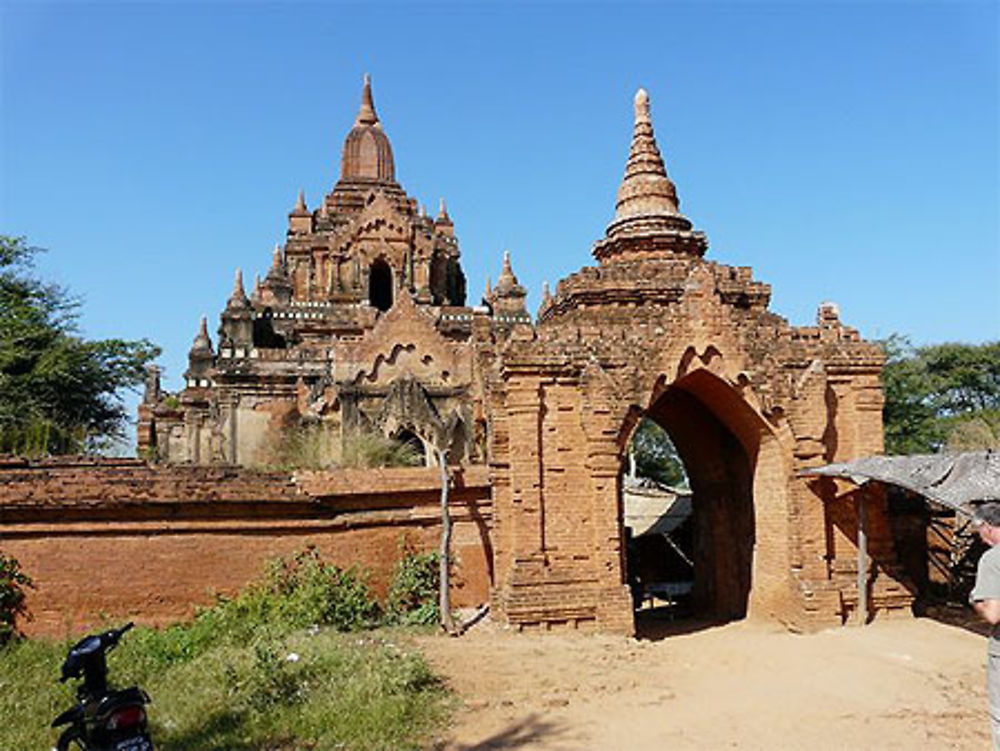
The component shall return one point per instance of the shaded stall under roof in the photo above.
(953, 480)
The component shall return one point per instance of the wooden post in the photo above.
(862, 559)
(444, 600)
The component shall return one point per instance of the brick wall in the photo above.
(122, 539)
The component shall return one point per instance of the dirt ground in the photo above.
(896, 684)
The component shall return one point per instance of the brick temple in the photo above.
(362, 325)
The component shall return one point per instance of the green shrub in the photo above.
(13, 582)
(271, 680)
(413, 594)
(303, 590)
(376, 450)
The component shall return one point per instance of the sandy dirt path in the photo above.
(901, 684)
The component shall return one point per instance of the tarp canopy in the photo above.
(953, 480)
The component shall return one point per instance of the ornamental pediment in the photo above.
(404, 343)
(379, 220)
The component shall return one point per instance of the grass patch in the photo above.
(291, 663)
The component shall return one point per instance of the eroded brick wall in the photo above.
(122, 539)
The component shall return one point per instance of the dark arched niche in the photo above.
(380, 285)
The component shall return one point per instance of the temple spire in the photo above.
(239, 297)
(367, 155)
(645, 190)
(202, 342)
(507, 283)
(366, 115)
(647, 212)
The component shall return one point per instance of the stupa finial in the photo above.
(366, 115)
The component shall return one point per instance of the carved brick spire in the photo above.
(300, 205)
(646, 189)
(647, 212)
(277, 287)
(507, 283)
(200, 356)
(366, 115)
(367, 155)
(202, 342)
(239, 297)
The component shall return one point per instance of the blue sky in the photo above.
(845, 151)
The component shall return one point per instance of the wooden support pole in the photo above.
(444, 594)
(862, 559)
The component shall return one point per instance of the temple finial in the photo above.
(277, 256)
(642, 106)
(202, 342)
(239, 297)
(646, 193)
(443, 212)
(366, 115)
(300, 204)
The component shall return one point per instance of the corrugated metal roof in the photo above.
(954, 480)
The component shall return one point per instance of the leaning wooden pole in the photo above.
(444, 599)
(862, 559)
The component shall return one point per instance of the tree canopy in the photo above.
(59, 393)
(655, 455)
(941, 396)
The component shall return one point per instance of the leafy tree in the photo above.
(941, 396)
(59, 393)
(655, 455)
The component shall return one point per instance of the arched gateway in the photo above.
(655, 330)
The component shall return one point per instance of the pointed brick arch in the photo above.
(732, 457)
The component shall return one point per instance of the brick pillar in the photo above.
(614, 604)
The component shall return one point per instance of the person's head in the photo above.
(986, 521)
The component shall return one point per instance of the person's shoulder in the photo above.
(992, 556)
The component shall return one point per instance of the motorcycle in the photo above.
(104, 719)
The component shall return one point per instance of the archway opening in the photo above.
(658, 525)
(380, 285)
(413, 445)
(715, 441)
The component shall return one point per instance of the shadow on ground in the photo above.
(952, 614)
(216, 733)
(524, 734)
(656, 624)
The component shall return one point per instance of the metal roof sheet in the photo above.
(954, 480)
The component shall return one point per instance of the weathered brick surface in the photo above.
(113, 538)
